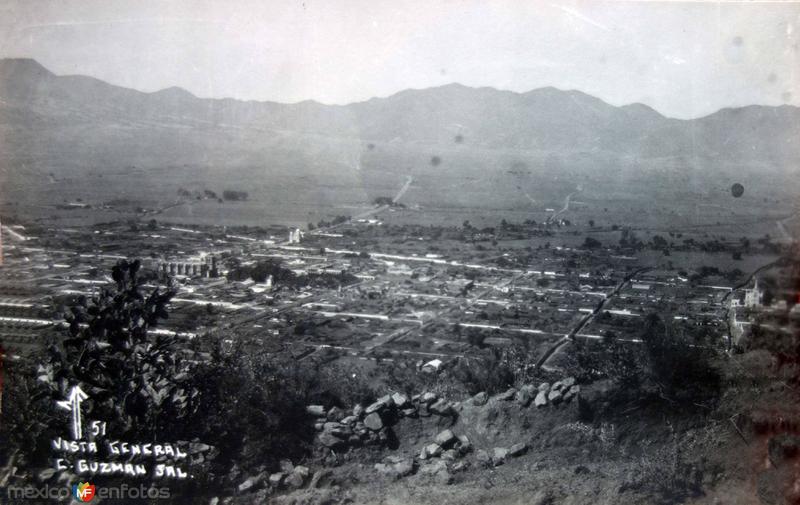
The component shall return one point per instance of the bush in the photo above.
(671, 362)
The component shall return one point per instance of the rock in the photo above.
(525, 396)
(295, 480)
(349, 420)
(430, 451)
(450, 455)
(554, 396)
(250, 484)
(480, 399)
(499, 455)
(439, 471)
(441, 407)
(428, 398)
(459, 466)
(286, 466)
(320, 478)
(329, 440)
(316, 410)
(572, 392)
(337, 429)
(544, 386)
(518, 449)
(403, 468)
(276, 479)
(483, 457)
(335, 414)
(541, 399)
(445, 439)
(358, 410)
(400, 400)
(373, 421)
(507, 395)
(375, 407)
(569, 382)
(464, 445)
(557, 386)
(395, 467)
(302, 470)
(198, 447)
(409, 412)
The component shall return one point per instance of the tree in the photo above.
(591, 243)
(130, 373)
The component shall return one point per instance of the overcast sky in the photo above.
(684, 59)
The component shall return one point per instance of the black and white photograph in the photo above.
(409, 252)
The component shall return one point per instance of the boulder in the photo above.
(335, 414)
(320, 478)
(349, 420)
(445, 439)
(544, 386)
(337, 429)
(376, 407)
(438, 471)
(483, 457)
(459, 466)
(395, 467)
(373, 421)
(464, 445)
(409, 412)
(400, 400)
(386, 400)
(507, 395)
(286, 466)
(541, 399)
(276, 479)
(316, 410)
(571, 393)
(499, 455)
(525, 395)
(569, 382)
(554, 396)
(358, 410)
(557, 386)
(430, 451)
(441, 407)
(517, 449)
(450, 455)
(296, 479)
(480, 399)
(428, 398)
(304, 471)
(250, 484)
(198, 447)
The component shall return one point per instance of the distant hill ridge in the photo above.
(37, 106)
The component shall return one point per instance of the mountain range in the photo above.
(45, 117)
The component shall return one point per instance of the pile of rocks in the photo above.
(447, 446)
(561, 391)
(339, 429)
(289, 477)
